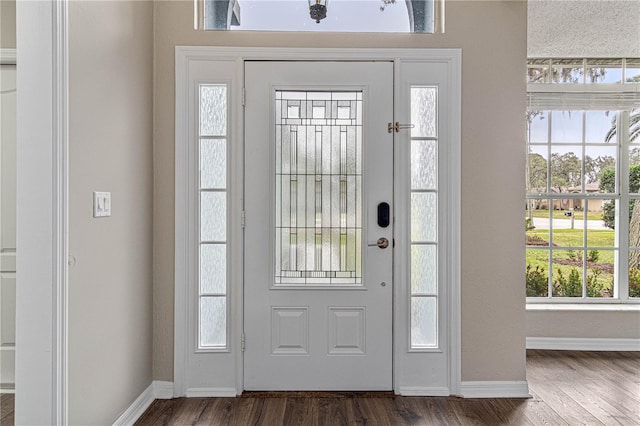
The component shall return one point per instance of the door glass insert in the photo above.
(318, 188)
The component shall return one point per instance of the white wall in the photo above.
(110, 149)
(7, 24)
(492, 35)
(588, 325)
(584, 28)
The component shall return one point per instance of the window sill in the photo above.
(600, 307)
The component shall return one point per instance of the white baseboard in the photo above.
(211, 393)
(156, 390)
(583, 344)
(136, 409)
(424, 391)
(162, 390)
(495, 389)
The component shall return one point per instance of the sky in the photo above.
(566, 133)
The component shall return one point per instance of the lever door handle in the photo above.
(382, 242)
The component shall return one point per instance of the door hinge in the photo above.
(244, 96)
(242, 341)
(242, 219)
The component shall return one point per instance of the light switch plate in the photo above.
(101, 204)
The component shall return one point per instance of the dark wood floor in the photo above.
(568, 388)
(7, 402)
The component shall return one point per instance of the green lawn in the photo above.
(573, 238)
(559, 214)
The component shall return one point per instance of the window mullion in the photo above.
(622, 225)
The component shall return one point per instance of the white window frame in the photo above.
(620, 98)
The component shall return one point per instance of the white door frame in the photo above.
(41, 300)
(227, 66)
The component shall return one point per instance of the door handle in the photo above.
(382, 242)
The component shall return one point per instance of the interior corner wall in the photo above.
(8, 24)
(110, 149)
(492, 36)
(584, 29)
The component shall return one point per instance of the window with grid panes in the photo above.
(582, 215)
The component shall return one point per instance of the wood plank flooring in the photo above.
(568, 388)
(7, 402)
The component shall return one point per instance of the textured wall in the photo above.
(110, 138)
(492, 35)
(584, 28)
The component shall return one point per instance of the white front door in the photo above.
(319, 170)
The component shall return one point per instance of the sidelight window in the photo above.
(424, 218)
(213, 238)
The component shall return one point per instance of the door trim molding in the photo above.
(189, 56)
(42, 231)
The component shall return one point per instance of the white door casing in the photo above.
(312, 189)
(8, 163)
(416, 370)
(41, 235)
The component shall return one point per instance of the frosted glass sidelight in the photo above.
(423, 217)
(213, 268)
(424, 323)
(423, 111)
(213, 321)
(318, 188)
(213, 110)
(424, 159)
(213, 163)
(423, 269)
(213, 216)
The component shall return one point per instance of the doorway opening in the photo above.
(327, 184)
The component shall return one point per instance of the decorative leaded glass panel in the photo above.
(318, 180)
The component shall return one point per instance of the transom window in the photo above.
(399, 16)
(582, 218)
